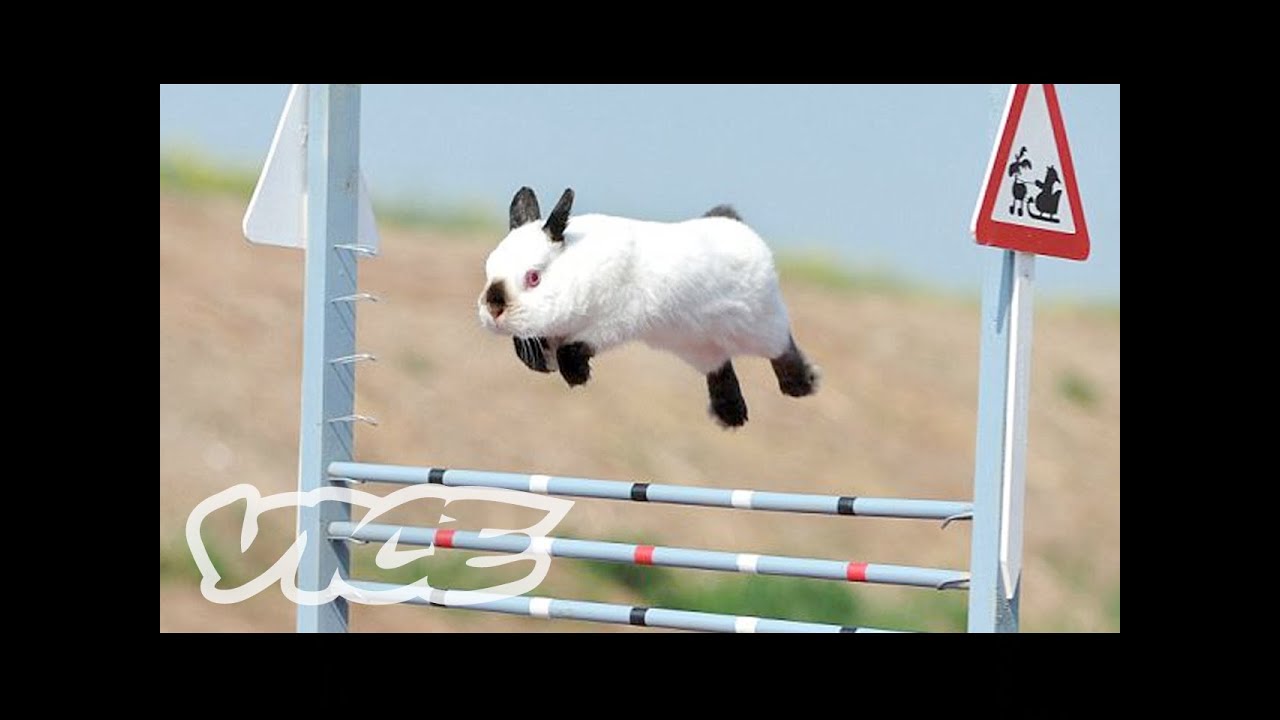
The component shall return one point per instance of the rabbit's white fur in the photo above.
(704, 289)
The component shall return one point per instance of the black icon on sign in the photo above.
(1046, 201)
(1016, 167)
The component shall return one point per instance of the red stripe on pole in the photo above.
(444, 538)
(856, 572)
(644, 554)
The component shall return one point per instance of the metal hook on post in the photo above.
(354, 418)
(365, 250)
(356, 298)
(349, 359)
(958, 516)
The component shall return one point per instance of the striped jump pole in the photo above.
(943, 510)
(748, 563)
(554, 608)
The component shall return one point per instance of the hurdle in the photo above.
(612, 613)
(311, 195)
(850, 571)
(943, 510)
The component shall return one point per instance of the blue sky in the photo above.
(883, 176)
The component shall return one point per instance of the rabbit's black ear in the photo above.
(524, 208)
(559, 218)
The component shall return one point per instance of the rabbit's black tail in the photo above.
(724, 211)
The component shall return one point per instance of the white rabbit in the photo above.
(704, 289)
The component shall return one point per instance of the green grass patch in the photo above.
(189, 171)
(782, 598)
(1113, 609)
(446, 569)
(823, 269)
(178, 566)
(1078, 389)
(467, 218)
(176, 563)
(414, 363)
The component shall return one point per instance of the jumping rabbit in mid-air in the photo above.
(705, 289)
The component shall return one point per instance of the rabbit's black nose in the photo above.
(496, 298)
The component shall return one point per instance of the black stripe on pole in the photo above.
(640, 492)
(436, 475)
(637, 616)
(845, 505)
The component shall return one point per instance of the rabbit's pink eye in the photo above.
(532, 278)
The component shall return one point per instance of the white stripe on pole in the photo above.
(540, 607)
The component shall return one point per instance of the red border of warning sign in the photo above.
(1073, 246)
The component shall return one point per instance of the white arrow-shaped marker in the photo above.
(277, 213)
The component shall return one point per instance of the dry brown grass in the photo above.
(895, 416)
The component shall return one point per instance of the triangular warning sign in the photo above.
(1030, 201)
(277, 211)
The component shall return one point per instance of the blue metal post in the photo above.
(999, 465)
(328, 389)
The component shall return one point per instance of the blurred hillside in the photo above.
(895, 416)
